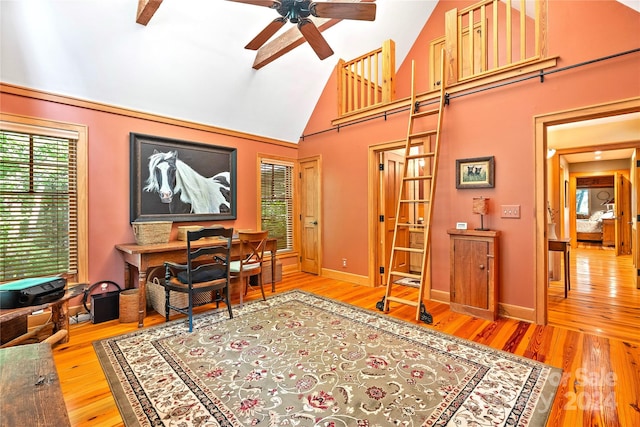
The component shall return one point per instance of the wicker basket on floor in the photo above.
(156, 296)
(128, 306)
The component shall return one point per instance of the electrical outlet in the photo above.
(344, 262)
(510, 211)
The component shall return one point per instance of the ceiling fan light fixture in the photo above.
(299, 11)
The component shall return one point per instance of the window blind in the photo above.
(38, 207)
(276, 188)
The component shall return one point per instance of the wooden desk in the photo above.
(30, 388)
(145, 257)
(563, 245)
(59, 312)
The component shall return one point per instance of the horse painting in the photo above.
(184, 189)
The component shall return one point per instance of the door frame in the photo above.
(541, 123)
(318, 163)
(374, 185)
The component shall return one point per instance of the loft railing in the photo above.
(368, 80)
(503, 38)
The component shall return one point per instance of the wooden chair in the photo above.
(252, 245)
(206, 270)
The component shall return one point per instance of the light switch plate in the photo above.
(510, 211)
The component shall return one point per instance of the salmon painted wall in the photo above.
(109, 173)
(497, 122)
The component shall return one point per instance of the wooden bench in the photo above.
(30, 388)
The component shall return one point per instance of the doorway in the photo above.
(546, 182)
(310, 215)
(602, 297)
(385, 173)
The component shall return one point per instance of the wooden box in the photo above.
(13, 329)
(182, 230)
(266, 272)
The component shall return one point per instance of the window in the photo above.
(276, 200)
(582, 201)
(41, 216)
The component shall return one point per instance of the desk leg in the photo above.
(142, 296)
(567, 277)
(127, 275)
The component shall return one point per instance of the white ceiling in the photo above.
(590, 138)
(189, 62)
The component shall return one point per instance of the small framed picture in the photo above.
(475, 173)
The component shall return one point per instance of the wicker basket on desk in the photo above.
(151, 232)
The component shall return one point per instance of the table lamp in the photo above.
(481, 206)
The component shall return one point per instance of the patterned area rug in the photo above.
(302, 360)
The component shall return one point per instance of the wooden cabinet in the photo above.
(474, 272)
(608, 232)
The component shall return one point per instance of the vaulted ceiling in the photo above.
(189, 62)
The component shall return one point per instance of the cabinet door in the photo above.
(471, 273)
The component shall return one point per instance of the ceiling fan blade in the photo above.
(266, 3)
(343, 10)
(266, 34)
(314, 38)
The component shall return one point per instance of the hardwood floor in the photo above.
(603, 299)
(600, 385)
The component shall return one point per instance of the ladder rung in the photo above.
(409, 224)
(417, 178)
(407, 275)
(419, 156)
(403, 301)
(403, 249)
(414, 201)
(425, 133)
(425, 113)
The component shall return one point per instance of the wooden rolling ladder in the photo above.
(417, 191)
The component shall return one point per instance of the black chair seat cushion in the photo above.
(205, 275)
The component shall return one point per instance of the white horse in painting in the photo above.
(170, 176)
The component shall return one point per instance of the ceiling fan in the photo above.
(299, 11)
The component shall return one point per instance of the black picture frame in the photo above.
(477, 172)
(209, 168)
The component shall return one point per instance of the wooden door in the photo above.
(435, 72)
(635, 215)
(310, 216)
(472, 62)
(392, 181)
(623, 214)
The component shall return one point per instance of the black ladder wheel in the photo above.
(424, 315)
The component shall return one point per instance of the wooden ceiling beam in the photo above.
(292, 38)
(286, 42)
(146, 9)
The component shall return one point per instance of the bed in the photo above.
(590, 229)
